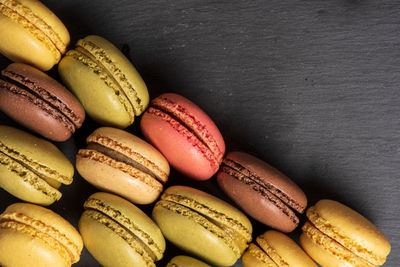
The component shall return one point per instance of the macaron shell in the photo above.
(179, 151)
(24, 46)
(135, 144)
(256, 257)
(185, 261)
(112, 250)
(136, 216)
(193, 238)
(270, 175)
(16, 186)
(287, 249)
(320, 255)
(110, 179)
(87, 86)
(34, 114)
(215, 204)
(196, 112)
(36, 149)
(49, 17)
(256, 205)
(126, 68)
(18, 249)
(49, 218)
(353, 226)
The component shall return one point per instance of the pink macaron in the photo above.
(186, 136)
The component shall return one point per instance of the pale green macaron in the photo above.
(186, 261)
(202, 225)
(117, 233)
(31, 168)
(105, 81)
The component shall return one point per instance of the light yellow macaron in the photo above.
(274, 249)
(31, 33)
(34, 236)
(186, 261)
(336, 236)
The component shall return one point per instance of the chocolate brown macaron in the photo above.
(40, 103)
(261, 191)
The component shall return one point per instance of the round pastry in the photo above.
(30, 33)
(261, 191)
(118, 234)
(107, 84)
(202, 225)
(336, 235)
(275, 249)
(121, 163)
(185, 135)
(34, 236)
(31, 168)
(39, 102)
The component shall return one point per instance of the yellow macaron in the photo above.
(336, 235)
(31, 33)
(31, 235)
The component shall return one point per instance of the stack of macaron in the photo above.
(100, 81)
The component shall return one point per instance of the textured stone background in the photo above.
(309, 86)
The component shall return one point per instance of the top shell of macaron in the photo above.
(195, 119)
(212, 203)
(53, 92)
(120, 68)
(132, 215)
(36, 150)
(42, 12)
(128, 144)
(290, 192)
(351, 224)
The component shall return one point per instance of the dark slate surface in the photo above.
(309, 86)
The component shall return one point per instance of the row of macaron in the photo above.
(112, 93)
(116, 161)
(118, 233)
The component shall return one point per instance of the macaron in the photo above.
(275, 249)
(185, 135)
(34, 236)
(117, 233)
(186, 261)
(40, 103)
(121, 163)
(261, 191)
(107, 84)
(335, 235)
(31, 168)
(31, 33)
(202, 225)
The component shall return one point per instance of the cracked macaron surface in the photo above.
(336, 235)
(186, 136)
(260, 190)
(117, 233)
(203, 225)
(31, 168)
(107, 84)
(119, 162)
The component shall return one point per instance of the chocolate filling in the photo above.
(122, 158)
